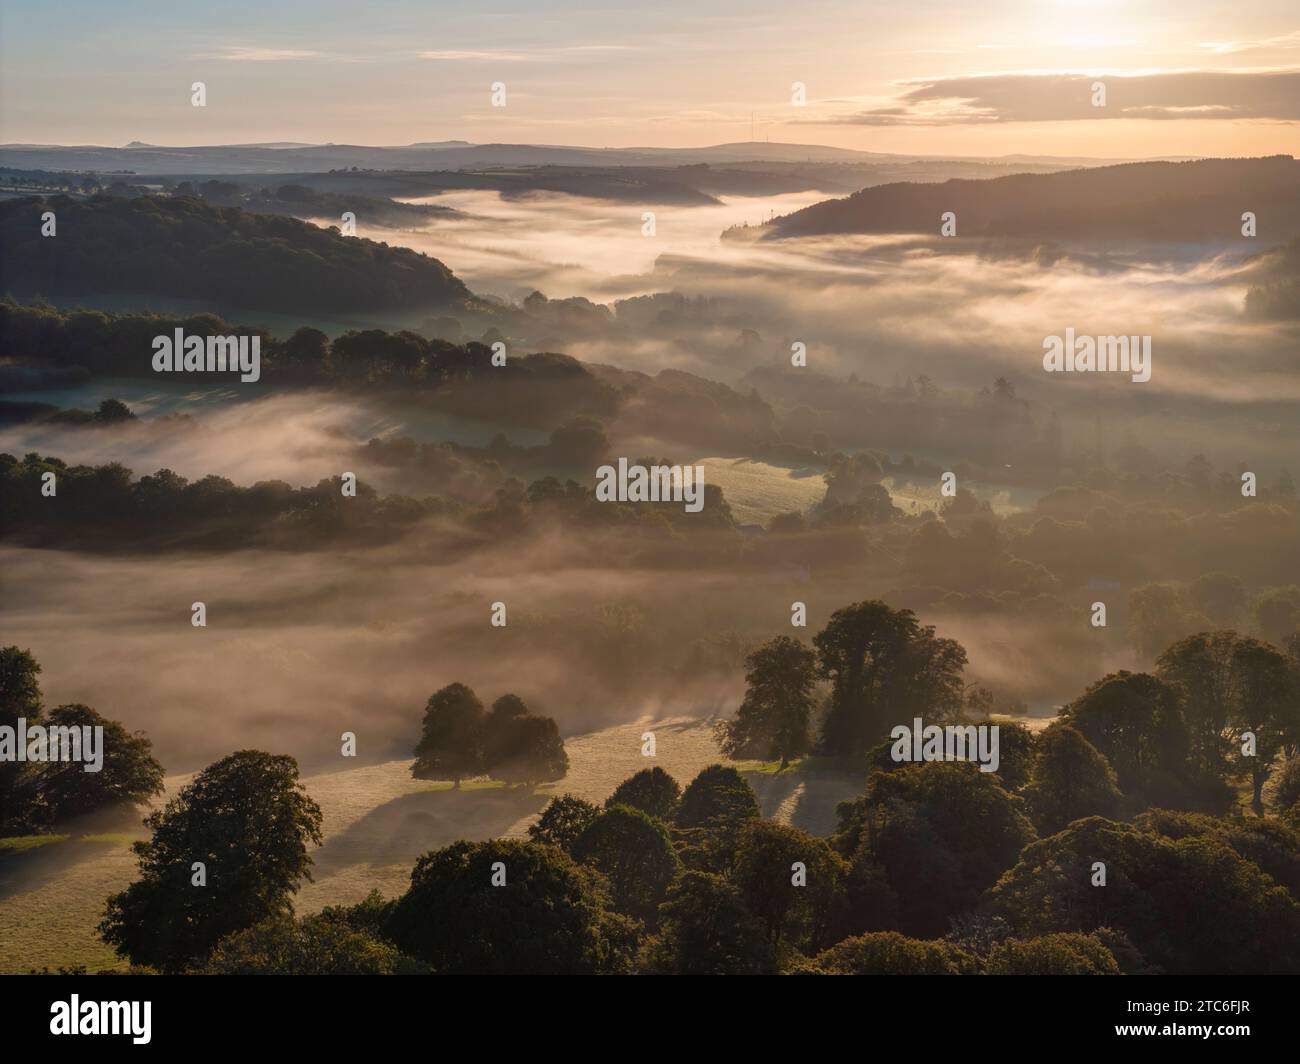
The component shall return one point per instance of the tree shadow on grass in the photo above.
(809, 797)
(26, 870)
(399, 831)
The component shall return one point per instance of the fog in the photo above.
(890, 308)
(300, 647)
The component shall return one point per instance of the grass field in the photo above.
(377, 821)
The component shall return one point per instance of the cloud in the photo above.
(241, 54)
(1286, 41)
(520, 55)
(477, 57)
(1062, 97)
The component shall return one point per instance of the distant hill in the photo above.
(178, 246)
(1177, 202)
(1278, 296)
(225, 159)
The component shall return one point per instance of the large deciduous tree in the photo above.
(1070, 780)
(510, 907)
(775, 717)
(884, 667)
(451, 745)
(248, 821)
(633, 851)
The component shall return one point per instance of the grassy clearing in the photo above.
(378, 821)
(23, 843)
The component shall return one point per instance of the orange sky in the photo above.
(674, 73)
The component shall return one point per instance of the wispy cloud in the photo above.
(575, 51)
(242, 54)
(474, 57)
(1270, 95)
(1286, 41)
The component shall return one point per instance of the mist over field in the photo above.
(885, 308)
(673, 492)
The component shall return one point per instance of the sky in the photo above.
(1182, 77)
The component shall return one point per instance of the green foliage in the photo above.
(101, 507)
(519, 747)
(1286, 786)
(50, 791)
(249, 820)
(1060, 954)
(633, 851)
(20, 696)
(942, 832)
(1273, 845)
(563, 820)
(1070, 780)
(1189, 905)
(884, 667)
(1232, 684)
(316, 945)
(705, 928)
(1017, 749)
(652, 790)
(889, 953)
(551, 917)
(714, 808)
(800, 915)
(461, 739)
(774, 719)
(176, 246)
(451, 744)
(1135, 720)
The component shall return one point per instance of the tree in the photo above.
(889, 953)
(1159, 614)
(112, 411)
(248, 820)
(1270, 843)
(706, 929)
(884, 666)
(651, 790)
(714, 808)
(1201, 666)
(525, 749)
(1070, 780)
(633, 851)
(563, 820)
(1189, 905)
(1017, 749)
(1286, 788)
(20, 696)
(451, 745)
(1064, 953)
(550, 916)
(943, 832)
(1265, 703)
(581, 443)
(51, 791)
(308, 349)
(316, 945)
(1135, 720)
(765, 873)
(773, 720)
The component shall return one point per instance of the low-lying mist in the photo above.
(890, 308)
